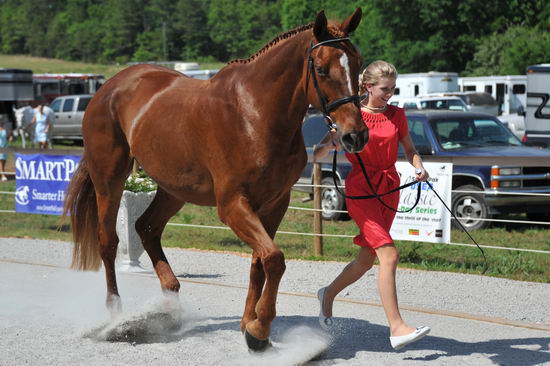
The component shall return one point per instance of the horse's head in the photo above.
(332, 78)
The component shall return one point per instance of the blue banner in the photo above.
(41, 181)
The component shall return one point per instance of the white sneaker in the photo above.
(326, 322)
(4, 179)
(399, 342)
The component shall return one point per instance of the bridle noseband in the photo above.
(325, 106)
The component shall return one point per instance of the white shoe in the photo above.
(4, 179)
(399, 342)
(326, 322)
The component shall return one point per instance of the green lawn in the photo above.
(440, 257)
(40, 65)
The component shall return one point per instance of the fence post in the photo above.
(317, 218)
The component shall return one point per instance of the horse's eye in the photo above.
(321, 71)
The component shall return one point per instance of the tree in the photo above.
(510, 53)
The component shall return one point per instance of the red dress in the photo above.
(379, 157)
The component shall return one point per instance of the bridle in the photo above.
(327, 107)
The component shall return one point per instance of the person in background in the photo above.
(41, 124)
(4, 137)
(387, 128)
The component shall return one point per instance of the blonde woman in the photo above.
(387, 128)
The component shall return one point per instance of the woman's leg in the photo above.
(389, 257)
(3, 169)
(351, 273)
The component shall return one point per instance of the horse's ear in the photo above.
(320, 30)
(352, 22)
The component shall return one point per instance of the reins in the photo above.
(376, 195)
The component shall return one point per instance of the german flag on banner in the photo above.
(415, 232)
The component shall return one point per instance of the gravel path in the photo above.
(42, 319)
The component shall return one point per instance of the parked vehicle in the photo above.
(412, 85)
(457, 134)
(508, 90)
(537, 119)
(479, 102)
(430, 102)
(69, 112)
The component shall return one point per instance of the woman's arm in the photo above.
(414, 158)
(329, 142)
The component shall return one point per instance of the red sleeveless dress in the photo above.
(379, 157)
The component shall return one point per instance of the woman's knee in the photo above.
(365, 258)
(388, 255)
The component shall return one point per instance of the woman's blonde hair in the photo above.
(374, 72)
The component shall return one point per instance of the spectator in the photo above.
(4, 136)
(41, 124)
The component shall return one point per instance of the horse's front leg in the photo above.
(237, 213)
(271, 221)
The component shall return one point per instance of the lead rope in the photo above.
(378, 197)
(485, 266)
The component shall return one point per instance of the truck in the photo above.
(537, 118)
(483, 189)
(411, 85)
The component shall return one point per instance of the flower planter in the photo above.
(132, 206)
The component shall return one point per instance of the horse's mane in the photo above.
(333, 30)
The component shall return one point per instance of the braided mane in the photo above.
(335, 31)
(273, 42)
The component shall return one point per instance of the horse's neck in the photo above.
(277, 78)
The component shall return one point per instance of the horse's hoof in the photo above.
(254, 344)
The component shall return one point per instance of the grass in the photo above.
(508, 264)
(40, 65)
(426, 256)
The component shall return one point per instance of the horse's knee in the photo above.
(274, 263)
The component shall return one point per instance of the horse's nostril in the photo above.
(349, 139)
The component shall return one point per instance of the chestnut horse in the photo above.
(233, 141)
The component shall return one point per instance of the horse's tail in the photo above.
(81, 205)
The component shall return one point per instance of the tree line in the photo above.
(471, 37)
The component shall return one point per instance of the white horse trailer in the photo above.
(508, 90)
(411, 85)
(537, 118)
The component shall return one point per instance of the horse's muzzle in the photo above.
(354, 142)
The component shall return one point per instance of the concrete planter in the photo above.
(132, 206)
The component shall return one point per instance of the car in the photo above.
(430, 102)
(69, 112)
(450, 135)
(481, 102)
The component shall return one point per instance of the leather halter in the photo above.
(325, 105)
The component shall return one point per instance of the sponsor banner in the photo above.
(429, 220)
(41, 181)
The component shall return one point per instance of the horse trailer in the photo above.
(537, 118)
(16, 84)
(411, 85)
(508, 90)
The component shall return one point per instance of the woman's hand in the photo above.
(421, 174)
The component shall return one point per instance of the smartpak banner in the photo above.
(40, 182)
(429, 221)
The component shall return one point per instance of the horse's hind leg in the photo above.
(109, 167)
(150, 227)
